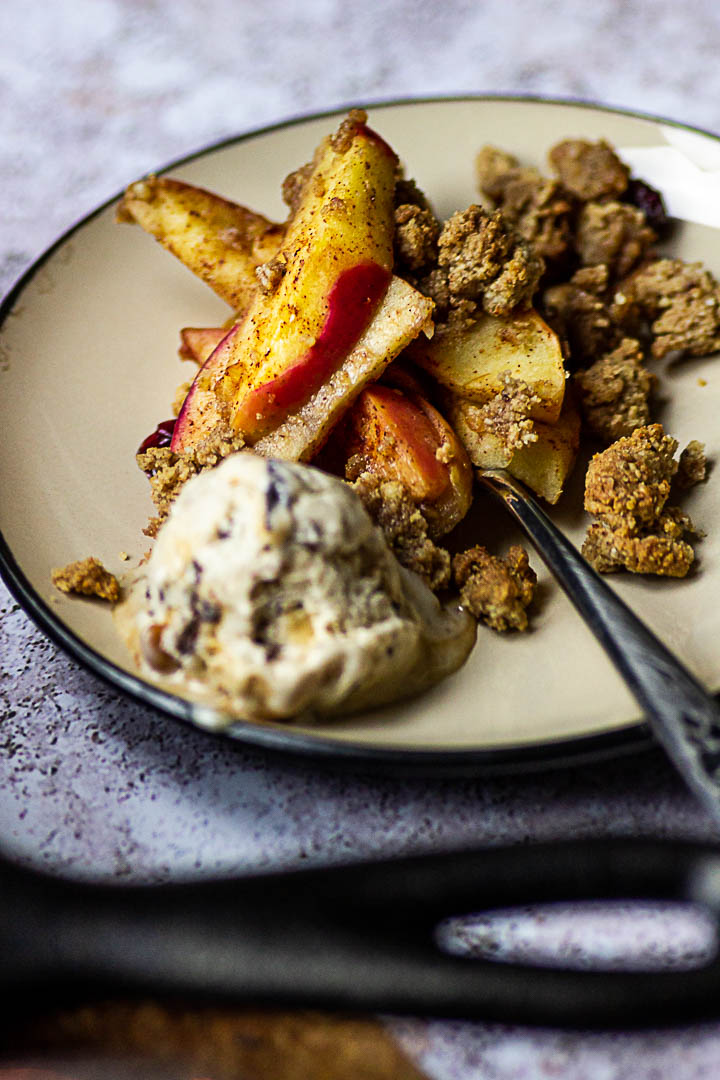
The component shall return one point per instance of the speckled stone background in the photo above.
(93, 93)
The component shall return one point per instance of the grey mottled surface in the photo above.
(95, 92)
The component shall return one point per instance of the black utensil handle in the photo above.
(358, 937)
(684, 717)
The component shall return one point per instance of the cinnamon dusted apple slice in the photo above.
(402, 315)
(331, 317)
(398, 435)
(472, 362)
(217, 239)
(325, 285)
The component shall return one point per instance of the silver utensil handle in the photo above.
(684, 717)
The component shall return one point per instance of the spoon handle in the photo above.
(683, 716)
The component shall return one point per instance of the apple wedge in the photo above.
(202, 413)
(546, 464)
(543, 465)
(218, 240)
(333, 318)
(402, 315)
(334, 269)
(398, 435)
(472, 362)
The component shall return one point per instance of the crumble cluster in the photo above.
(627, 488)
(507, 414)
(474, 262)
(87, 577)
(168, 470)
(498, 591)
(404, 527)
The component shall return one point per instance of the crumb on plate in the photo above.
(87, 577)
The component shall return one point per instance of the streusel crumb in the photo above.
(626, 489)
(497, 591)
(405, 528)
(87, 577)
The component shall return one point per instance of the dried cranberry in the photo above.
(161, 436)
(650, 201)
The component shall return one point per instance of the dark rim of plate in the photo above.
(283, 739)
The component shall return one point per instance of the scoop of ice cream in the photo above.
(270, 594)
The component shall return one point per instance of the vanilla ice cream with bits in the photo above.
(271, 595)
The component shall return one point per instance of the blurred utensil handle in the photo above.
(362, 937)
(683, 716)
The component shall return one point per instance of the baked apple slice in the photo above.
(473, 362)
(328, 280)
(544, 465)
(402, 315)
(217, 239)
(330, 316)
(399, 435)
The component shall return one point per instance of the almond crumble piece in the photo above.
(507, 414)
(497, 591)
(692, 467)
(612, 234)
(416, 236)
(486, 263)
(167, 470)
(626, 489)
(589, 170)
(579, 313)
(533, 204)
(682, 302)
(87, 577)
(614, 392)
(405, 528)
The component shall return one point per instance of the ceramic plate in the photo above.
(88, 366)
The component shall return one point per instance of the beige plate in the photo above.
(88, 366)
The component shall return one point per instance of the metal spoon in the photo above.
(684, 717)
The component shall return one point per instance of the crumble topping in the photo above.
(613, 393)
(682, 302)
(613, 234)
(498, 591)
(626, 489)
(87, 577)
(342, 139)
(507, 414)
(692, 466)
(416, 237)
(168, 470)
(589, 170)
(486, 263)
(269, 274)
(404, 527)
(535, 205)
(579, 313)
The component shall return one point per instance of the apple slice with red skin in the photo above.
(402, 315)
(334, 269)
(202, 413)
(351, 303)
(399, 435)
